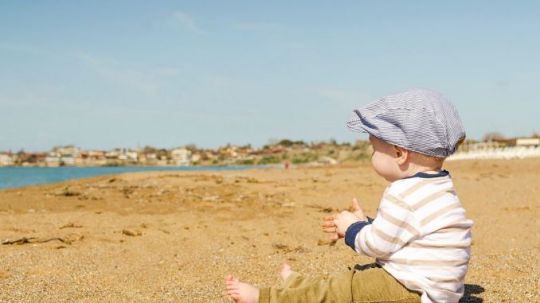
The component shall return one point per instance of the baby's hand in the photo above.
(328, 226)
(343, 220)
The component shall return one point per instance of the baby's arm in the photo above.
(394, 227)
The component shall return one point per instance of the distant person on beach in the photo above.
(420, 237)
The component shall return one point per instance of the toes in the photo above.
(235, 295)
(285, 268)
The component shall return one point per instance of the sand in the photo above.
(172, 237)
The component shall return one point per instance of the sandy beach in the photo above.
(173, 236)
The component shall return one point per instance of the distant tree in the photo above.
(149, 150)
(286, 142)
(32, 158)
(536, 135)
(361, 145)
(493, 136)
(163, 154)
(191, 147)
(270, 160)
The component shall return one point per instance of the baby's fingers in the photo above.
(329, 218)
(330, 231)
(328, 223)
(329, 227)
(355, 205)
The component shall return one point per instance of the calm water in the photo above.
(11, 177)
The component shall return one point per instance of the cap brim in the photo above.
(356, 126)
(355, 123)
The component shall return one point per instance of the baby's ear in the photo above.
(398, 151)
(401, 154)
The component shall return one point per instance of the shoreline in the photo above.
(94, 171)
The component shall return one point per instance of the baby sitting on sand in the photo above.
(420, 238)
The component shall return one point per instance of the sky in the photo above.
(106, 74)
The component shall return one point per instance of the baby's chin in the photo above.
(389, 175)
(391, 179)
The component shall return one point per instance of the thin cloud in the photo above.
(168, 71)
(21, 48)
(260, 26)
(347, 99)
(109, 70)
(186, 21)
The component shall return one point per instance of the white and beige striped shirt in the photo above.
(421, 236)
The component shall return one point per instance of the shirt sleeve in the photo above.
(394, 226)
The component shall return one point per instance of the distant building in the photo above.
(131, 155)
(525, 142)
(181, 157)
(533, 142)
(91, 158)
(151, 156)
(6, 159)
(63, 155)
(195, 158)
(67, 160)
(67, 151)
(52, 159)
(113, 154)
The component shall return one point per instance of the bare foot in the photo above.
(285, 271)
(241, 292)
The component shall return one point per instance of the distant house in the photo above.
(68, 160)
(113, 154)
(148, 158)
(91, 158)
(52, 159)
(151, 156)
(181, 157)
(131, 155)
(67, 151)
(195, 158)
(6, 159)
(531, 142)
(63, 155)
(523, 142)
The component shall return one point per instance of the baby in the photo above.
(420, 237)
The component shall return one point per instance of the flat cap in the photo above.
(419, 120)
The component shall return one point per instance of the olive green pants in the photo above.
(364, 283)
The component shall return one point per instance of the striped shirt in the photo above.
(420, 235)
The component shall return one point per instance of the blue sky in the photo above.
(104, 74)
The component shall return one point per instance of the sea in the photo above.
(14, 177)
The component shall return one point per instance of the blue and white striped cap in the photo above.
(418, 120)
